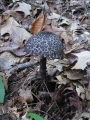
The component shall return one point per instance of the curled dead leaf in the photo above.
(38, 24)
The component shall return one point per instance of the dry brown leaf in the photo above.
(54, 22)
(75, 2)
(4, 64)
(16, 15)
(18, 102)
(84, 115)
(64, 21)
(17, 33)
(74, 101)
(65, 37)
(53, 16)
(14, 110)
(83, 58)
(62, 79)
(7, 60)
(38, 25)
(39, 1)
(0, 19)
(19, 52)
(73, 75)
(15, 0)
(13, 48)
(9, 46)
(88, 94)
(58, 63)
(78, 37)
(55, 30)
(23, 7)
(26, 94)
(74, 25)
(80, 91)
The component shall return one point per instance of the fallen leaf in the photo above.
(58, 63)
(14, 110)
(84, 115)
(74, 25)
(74, 101)
(53, 16)
(38, 25)
(64, 21)
(62, 79)
(17, 33)
(7, 60)
(55, 30)
(83, 59)
(65, 36)
(73, 75)
(80, 91)
(26, 94)
(74, 2)
(23, 7)
(16, 15)
(88, 94)
(10, 46)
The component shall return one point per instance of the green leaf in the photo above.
(2, 91)
(34, 116)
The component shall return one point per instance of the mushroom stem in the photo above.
(43, 68)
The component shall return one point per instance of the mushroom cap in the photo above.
(45, 44)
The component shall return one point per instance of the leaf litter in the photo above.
(66, 95)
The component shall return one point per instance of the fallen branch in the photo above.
(21, 66)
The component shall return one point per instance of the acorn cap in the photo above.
(45, 44)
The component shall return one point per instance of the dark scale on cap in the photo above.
(45, 44)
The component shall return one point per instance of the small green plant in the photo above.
(34, 116)
(2, 91)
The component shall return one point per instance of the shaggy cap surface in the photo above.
(45, 44)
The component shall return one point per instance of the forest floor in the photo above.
(66, 94)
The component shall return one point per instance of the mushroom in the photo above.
(46, 45)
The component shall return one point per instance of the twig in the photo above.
(21, 66)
